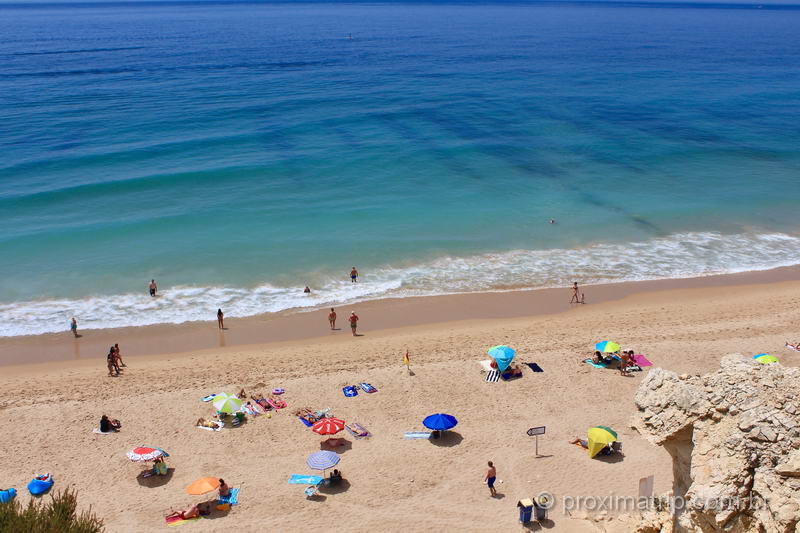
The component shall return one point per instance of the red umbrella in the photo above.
(146, 454)
(328, 426)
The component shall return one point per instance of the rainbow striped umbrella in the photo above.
(598, 438)
(226, 403)
(607, 347)
(765, 358)
(328, 426)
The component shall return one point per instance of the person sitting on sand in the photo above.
(625, 361)
(242, 394)
(585, 444)
(600, 359)
(224, 489)
(107, 425)
(195, 511)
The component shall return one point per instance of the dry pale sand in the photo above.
(392, 484)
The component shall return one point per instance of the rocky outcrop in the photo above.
(734, 437)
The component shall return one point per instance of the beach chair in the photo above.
(311, 491)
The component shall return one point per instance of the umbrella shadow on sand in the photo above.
(342, 486)
(338, 448)
(447, 439)
(613, 458)
(154, 481)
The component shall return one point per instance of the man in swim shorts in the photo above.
(153, 287)
(353, 322)
(491, 477)
(354, 275)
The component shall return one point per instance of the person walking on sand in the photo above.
(118, 356)
(332, 319)
(575, 298)
(111, 363)
(491, 477)
(220, 319)
(353, 322)
(153, 288)
(354, 275)
(73, 326)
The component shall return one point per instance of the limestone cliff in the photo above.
(734, 436)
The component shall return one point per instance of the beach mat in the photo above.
(304, 421)
(176, 521)
(349, 391)
(219, 427)
(357, 430)
(791, 348)
(641, 360)
(417, 435)
(300, 479)
(535, 367)
(596, 365)
(366, 387)
(493, 376)
(208, 398)
(97, 431)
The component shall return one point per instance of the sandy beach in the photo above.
(392, 484)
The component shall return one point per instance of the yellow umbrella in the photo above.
(203, 485)
(599, 438)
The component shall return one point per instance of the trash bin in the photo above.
(525, 510)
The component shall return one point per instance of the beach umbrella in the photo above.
(226, 403)
(765, 358)
(322, 460)
(440, 422)
(143, 453)
(607, 347)
(203, 485)
(328, 426)
(502, 355)
(598, 438)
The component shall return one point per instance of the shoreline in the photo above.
(377, 317)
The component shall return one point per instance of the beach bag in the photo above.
(7, 495)
(40, 486)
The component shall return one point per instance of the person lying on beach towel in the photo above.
(262, 402)
(195, 511)
(203, 423)
(793, 346)
(276, 402)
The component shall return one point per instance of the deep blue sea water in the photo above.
(237, 152)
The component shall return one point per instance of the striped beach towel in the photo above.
(417, 435)
(493, 376)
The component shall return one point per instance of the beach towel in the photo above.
(417, 435)
(366, 387)
(534, 367)
(486, 365)
(508, 376)
(596, 365)
(220, 425)
(792, 348)
(208, 398)
(232, 498)
(349, 391)
(263, 404)
(357, 430)
(493, 376)
(97, 431)
(641, 360)
(300, 479)
(304, 421)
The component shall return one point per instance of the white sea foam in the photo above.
(677, 256)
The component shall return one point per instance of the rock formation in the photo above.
(734, 437)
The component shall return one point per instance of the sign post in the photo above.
(535, 432)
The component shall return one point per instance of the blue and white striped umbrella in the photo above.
(322, 460)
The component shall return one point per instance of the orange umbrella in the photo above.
(203, 485)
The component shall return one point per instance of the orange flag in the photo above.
(406, 360)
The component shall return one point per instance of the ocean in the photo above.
(237, 152)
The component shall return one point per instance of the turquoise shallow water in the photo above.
(237, 152)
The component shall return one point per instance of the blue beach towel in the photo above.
(349, 391)
(300, 479)
(417, 435)
(208, 398)
(596, 365)
(366, 387)
(232, 498)
(304, 421)
(535, 367)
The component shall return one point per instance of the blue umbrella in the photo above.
(502, 355)
(322, 460)
(440, 422)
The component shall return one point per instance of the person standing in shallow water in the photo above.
(220, 319)
(332, 318)
(153, 288)
(354, 275)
